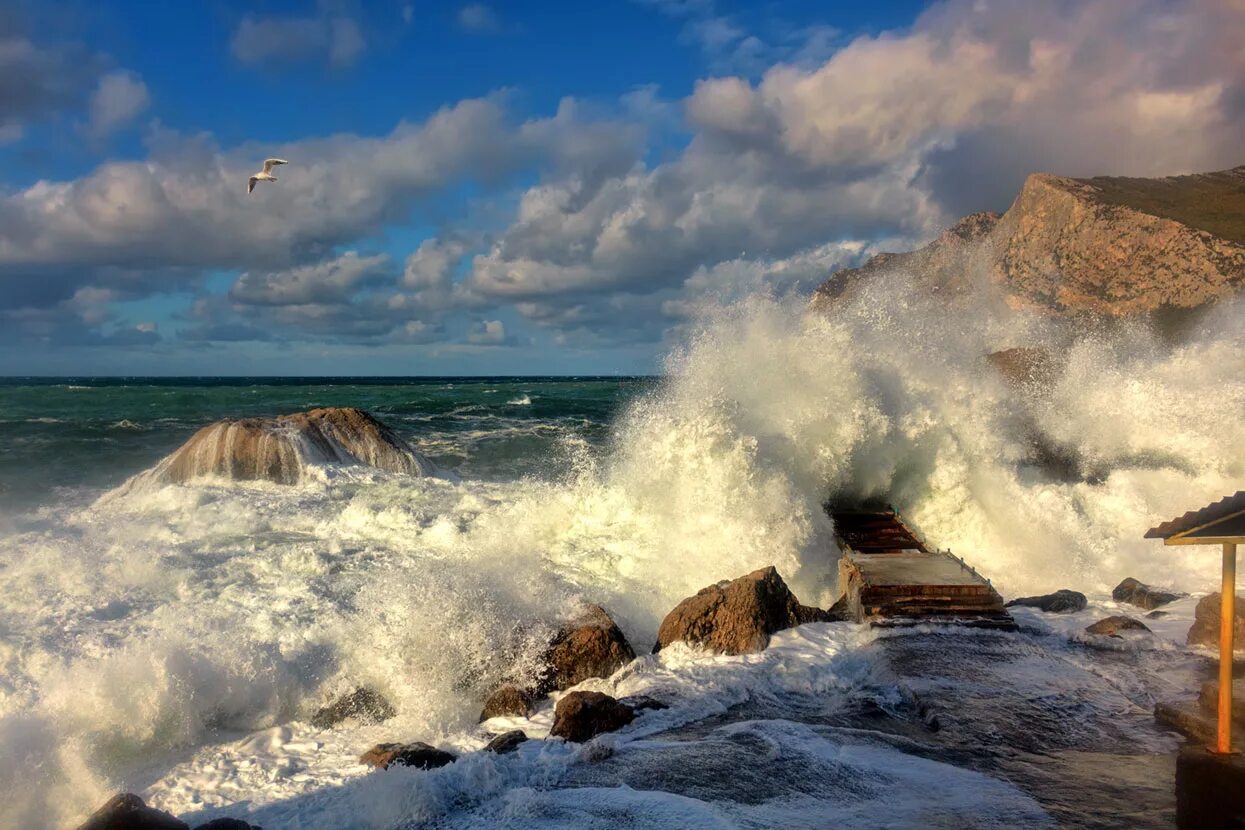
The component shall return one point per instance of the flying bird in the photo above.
(264, 175)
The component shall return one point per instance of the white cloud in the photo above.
(479, 18)
(119, 98)
(329, 281)
(487, 333)
(286, 39)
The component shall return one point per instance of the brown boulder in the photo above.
(592, 645)
(737, 617)
(417, 754)
(508, 701)
(363, 703)
(1205, 629)
(580, 716)
(1062, 601)
(126, 811)
(1112, 626)
(1143, 596)
(506, 742)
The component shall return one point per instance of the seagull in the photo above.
(264, 175)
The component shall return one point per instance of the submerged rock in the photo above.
(280, 448)
(363, 703)
(581, 716)
(1062, 601)
(737, 617)
(1143, 596)
(126, 811)
(417, 754)
(1112, 626)
(508, 701)
(592, 645)
(1205, 628)
(641, 703)
(506, 742)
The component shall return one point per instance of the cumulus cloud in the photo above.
(329, 281)
(276, 40)
(478, 18)
(119, 98)
(487, 333)
(40, 80)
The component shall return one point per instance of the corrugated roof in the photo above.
(1221, 509)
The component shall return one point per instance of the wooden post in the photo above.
(1227, 621)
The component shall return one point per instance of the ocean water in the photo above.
(174, 640)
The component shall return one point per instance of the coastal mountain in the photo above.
(1104, 246)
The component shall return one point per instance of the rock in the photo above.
(1112, 626)
(640, 703)
(126, 811)
(1210, 790)
(1062, 601)
(1186, 719)
(1205, 629)
(417, 754)
(363, 703)
(506, 742)
(580, 716)
(1113, 247)
(590, 646)
(737, 617)
(227, 824)
(508, 701)
(1157, 615)
(1143, 596)
(280, 448)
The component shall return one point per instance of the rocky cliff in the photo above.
(1113, 247)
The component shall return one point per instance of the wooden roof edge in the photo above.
(1225, 508)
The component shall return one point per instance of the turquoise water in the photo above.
(67, 439)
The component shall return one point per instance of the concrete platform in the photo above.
(1210, 790)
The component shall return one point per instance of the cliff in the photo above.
(1104, 246)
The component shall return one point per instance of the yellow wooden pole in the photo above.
(1227, 621)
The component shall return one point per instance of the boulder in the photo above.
(508, 701)
(506, 742)
(1205, 629)
(364, 704)
(737, 617)
(1157, 615)
(126, 811)
(417, 754)
(1062, 601)
(1112, 626)
(580, 716)
(592, 645)
(1143, 596)
(280, 448)
(641, 703)
(227, 824)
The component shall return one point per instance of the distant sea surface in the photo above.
(68, 439)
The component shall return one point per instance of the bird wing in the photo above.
(250, 185)
(270, 163)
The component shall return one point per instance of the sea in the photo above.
(173, 640)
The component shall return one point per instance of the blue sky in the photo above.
(489, 188)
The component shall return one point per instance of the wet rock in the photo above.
(417, 754)
(580, 716)
(228, 824)
(1185, 718)
(737, 617)
(1143, 596)
(1062, 601)
(1208, 699)
(1205, 629)
(506, 742)
(508, 701)
(126, 811)
(592, 645)
(1112, 626)
(364, 704)
(640, 703)
(1157, 615)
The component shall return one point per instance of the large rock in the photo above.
(506, 742)
(280, 449)
(126, 811)
(1205, 629)
(508, 701)
(1062, 601)
(1143, 596)
(363, 704)
(737, 617)
(1113, 626)
(417, 754)
(592, 645)
(1114, 247)
(580, 716)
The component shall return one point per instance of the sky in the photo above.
(536, 188)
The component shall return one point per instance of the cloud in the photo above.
(478, 18)
(487, 333)
(38, 81)
(119, 98)
(329, 281)
(278, 40)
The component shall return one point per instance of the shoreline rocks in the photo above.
(508, 701)
(591, 645)
(737, 616)
(1137, 593)
(506, 742)
(1062, 601)
(1205, 628)
(581, 716)
(363, 704)
(1113, 626)
(127, 811)
(416, 754)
